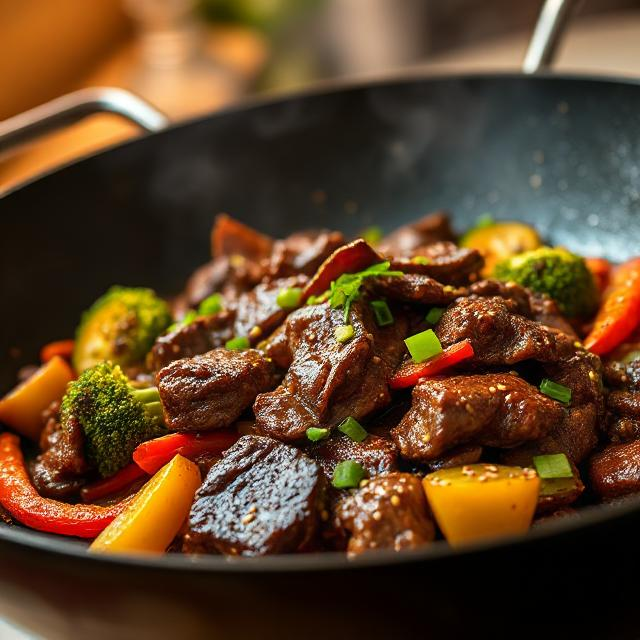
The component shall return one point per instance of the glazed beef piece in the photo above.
(615, 471)
(623, 401)
(193, 339)
(499, 334)
(444, 262)
(466, 454)
(623, 376)
(402, 242)
(329, 380)
(211, 391)
(263, 497)
(377, 455)
(60, 470)
(494, 410)
(413, 288)
(388, 512)
(559, 493)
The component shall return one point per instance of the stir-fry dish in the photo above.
(321, 393)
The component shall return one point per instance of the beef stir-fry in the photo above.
(320, 393)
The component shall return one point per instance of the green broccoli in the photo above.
(120, 326)
(562, 275)
(114, 416)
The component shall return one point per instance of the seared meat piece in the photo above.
(444, 262)
(329, 380)
(193, 339)
(499, 335)
(59, 472)
(375, 454)
(302, 253)
(263, 497)
(558, 493)
(619, 375)
(623, 402)
(466, 454)
(230, 237)
(616, 470)
(434, 227)
(389, 512)
(413, 287)
(211, 391)
(276, 347)
(495, 410)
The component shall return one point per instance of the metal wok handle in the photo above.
(74, 106)
(547, 34)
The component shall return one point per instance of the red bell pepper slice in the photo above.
(62, 348)
(620, 313)
(601, 271)
(108, 486)
(410, 373)
(349, 258)
(20, 498)
(154, 454)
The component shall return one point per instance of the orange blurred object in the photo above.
(601, 270)
(62, 348)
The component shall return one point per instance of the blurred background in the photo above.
(190, 57)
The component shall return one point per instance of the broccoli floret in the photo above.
(121, 326)
(562, 275)
(114, 416)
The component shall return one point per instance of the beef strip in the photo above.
(444, 262)
(413, 288)
(263, 497)
(615, 471)
(625, 376)
(495, 410)
(193, 339)
(377, 455)
(328, 380)
(211, 391)
(456, 457)
(432, 228)
(389, 512)
(623, 401)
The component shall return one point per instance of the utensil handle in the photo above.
(74, 106)
(547, 34)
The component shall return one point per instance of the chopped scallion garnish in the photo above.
(423, 260)
(434, 315)
(352, 428)
(372, 235)
(317, 433)
(347, 474)
(237, 344)
(423, 345)
(382, 313)
(343, 333)
(289, 298)
(555, 465)
(211, 305)
(556, 391)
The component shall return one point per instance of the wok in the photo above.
(560, 152)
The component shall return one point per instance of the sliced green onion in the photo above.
(555, 465)
(212, 304)
(372, 235)
(352, 428)
(382, 313)
(421, 260)
(434, 315)
(347, 474)
(316, 433)
(556, 391)
(484, 220)
(289, 298)
(187, 319)
(343, 333)
(423, 345)
(237, 344)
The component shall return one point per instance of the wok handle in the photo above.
(74, 106)
(547, 34)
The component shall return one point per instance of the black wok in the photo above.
(560, 152)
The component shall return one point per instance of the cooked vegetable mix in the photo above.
(312, 393)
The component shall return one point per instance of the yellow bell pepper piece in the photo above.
(22, 408)
(482, 501)
(155, 515)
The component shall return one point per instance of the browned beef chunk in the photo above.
(230, 237)
(302, 253)
(276, 347)
(377, 455)
(389, 512)
(444, 262)
(263, 497)
(558, 493)
(623, 402)
(328, 380)
(466, 454)
(499, 335)
(60, 471)
(212, 390)
(616, 470)
(619, 375)
(495, 410)
(415, 288)
(434, 227)
(193, 339)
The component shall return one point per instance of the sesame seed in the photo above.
(253, 508)
(492, 389)
(376, 359)
(395, 501)
(377, 515)
(468, 408)
(250, 517)
(577, 344)
(592, 375)
(324, 515)
(502, 387)
(364, 483)
(311, 335)
(491, 467)
(482, 478)
(400, 489)
(426, 437)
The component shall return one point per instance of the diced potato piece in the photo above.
(22, 408)
(482, 500)
(501, 240)
(155, 515)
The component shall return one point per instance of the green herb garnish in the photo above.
(556, 391)
(352, 428)
(347, 474)
(555, 465)
(344, 333)
(237, 344)
(317, 433)
(383, 314)
(423, 345)
(434, 315)
(289, 298)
